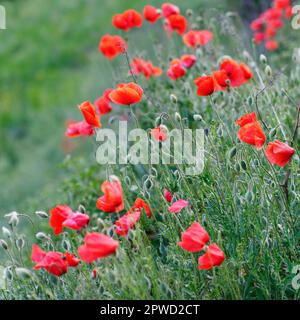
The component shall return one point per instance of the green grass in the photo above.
(51, 65)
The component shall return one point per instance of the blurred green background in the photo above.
(49, 63)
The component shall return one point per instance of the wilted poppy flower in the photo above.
(76, 129)
(127, 20)
(194, 238)
(169, 9)
(112, 46)
(213, 257)
(151, 13)
(112, 201)
(159, 134)
(205, 85)
(188, 60)
(251, 131)
(55, 263)
(176, 70)
(271, 45)
(279, 153)
(90, 115)
(103, 103)
(176, 22)
(126, 94)
(194, 38)
(168, 195)
(97, 246)
(139, 65)
(127, 222)
(63, 216)
(178, 205)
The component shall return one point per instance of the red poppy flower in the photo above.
(234, 72)
(220, 78)
(177, 206)
(279, 153)
(103, 103)
(159, 134)
(282, 4)
(145, 67)
(271, 45)
(194, 38)
(251, 131)
(76, 129)
(127, 222)
(259, 37)
(188, 60)
(55, 263)
(112, 46)
(63, 216)
(176, 22)
(176, 70)
(126, 94)
(213, 257)
(112, 201)
(97, 246)
(90, 115)
(71, 259)
(151, 14)
(257, 24)
(169, 9)
(127, 20)
(246, 71)
(205, 85)
(168, 195)
(194, 238)
(141, 204)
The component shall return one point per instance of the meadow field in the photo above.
(74, 227)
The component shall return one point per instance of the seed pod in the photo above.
(42, 214)
(41, 236)
(197, 117)
(263, 59)
(3, 244)
(243, 165)
(6, 232)
(23, 273)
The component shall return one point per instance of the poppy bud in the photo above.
(7, 274)
(173, 98)
(81, 208)
(197, 117)
(158, 122)
(250, 101)
(3, 244)
(249, 196)
(268, 71)
(263, 59)
(66, 245)
(243, 165)
(20, 243)
(232, 152)
(13, 218)
(23, 273)
(177, 117)
(272, 132)
(220, 132)
(42, 214)
(237, 167)
(189, 12)
(41, 236)
(6, 232)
